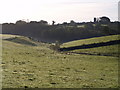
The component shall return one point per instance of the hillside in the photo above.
(36, 66)
(91, 41)
(65, 32)
(105, 46)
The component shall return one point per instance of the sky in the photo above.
(57, 10)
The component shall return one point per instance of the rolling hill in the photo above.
(91, 40)
(106, 46)
(30, 64)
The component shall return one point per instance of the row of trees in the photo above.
(42, 31)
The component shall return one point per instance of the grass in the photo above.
(26, 66)
(22, 40)
(5, 36)
(90, 41)
(81, 26)
(110, 50)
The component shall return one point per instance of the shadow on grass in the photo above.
(21, 41)
(91, 45)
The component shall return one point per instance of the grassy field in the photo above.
(5, 36)
(110, 50)
(90, 41)
(36, 66)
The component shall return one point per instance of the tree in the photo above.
(65, 23)
(20, 22)
(72, 23)
(56, 46)
(104, 19)
(89, 26)
(53, 22)
(42, 22)
(106, 30)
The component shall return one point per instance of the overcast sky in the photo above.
(57, 10)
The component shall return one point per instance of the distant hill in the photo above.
(61, 32)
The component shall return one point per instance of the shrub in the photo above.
(55, 46)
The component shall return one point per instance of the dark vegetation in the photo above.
(42, 31)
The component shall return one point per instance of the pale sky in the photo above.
(57, 10)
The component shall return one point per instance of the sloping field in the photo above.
(111, 50)
(105, 46)
(91, 41)
(5, 36)
(37, 66)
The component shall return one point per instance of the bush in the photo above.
(55, 46)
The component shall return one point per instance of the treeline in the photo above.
(42, 31)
